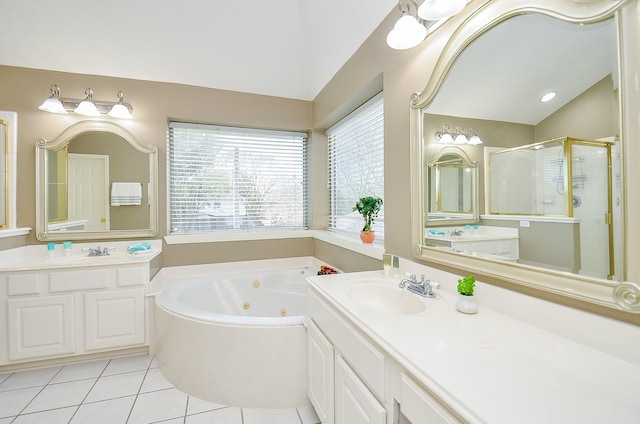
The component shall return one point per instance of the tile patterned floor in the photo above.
(127, 390)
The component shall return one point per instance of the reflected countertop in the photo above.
(489, 367)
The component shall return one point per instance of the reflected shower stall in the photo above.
(564, 178)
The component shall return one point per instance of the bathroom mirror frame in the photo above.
(5, 134)
(63, 140)
(463, 29)
(453, 218)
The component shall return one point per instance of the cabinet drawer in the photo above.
(419, 407)
(364, 358)
(22, 284)
(132, 276)
(78, 280)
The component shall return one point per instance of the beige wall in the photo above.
(591, 115)
(22, 90)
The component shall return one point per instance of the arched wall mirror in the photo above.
(452, 188)
(96, 181)
(544, 221)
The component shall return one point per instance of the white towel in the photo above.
(126, 194)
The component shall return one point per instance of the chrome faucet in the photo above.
(97, 251)
(423, 287)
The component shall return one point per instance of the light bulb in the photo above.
(406, 33)
(120, 111)
(434, 10)
(87, 108)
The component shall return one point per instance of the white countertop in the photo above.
(33, 257)
(491, 368)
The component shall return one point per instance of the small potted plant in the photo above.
(368, 207)
(466, 303)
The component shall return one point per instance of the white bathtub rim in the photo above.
(204, 317)
(159, 283)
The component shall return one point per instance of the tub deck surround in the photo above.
(489, 367)
(33, 257)
(232, 333)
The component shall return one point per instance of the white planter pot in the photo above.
(467, 304)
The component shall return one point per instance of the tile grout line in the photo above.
(89, 391)
(37, 394)
(139, 388)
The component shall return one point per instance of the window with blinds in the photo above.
(356, 166)
(235, 179)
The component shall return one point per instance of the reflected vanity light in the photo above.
(87, 106)
(459, 137)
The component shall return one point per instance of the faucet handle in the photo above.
(433, 284)
(411, 277)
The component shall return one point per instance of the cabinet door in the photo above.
(114, 319)
(320, 370)
(354, 403)
(41, 327)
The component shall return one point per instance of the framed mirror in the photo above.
(452, 188)
(4, 173)
(497, 64)
(96, 181)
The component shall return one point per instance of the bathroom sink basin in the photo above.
(386, 299)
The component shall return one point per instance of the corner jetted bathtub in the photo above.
(232, 333)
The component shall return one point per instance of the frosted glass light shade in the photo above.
(434, 10)
(446, 139)
(475, 140)
(120, 111)
(53, 105)
(460, 139)
(87, 108)
(406, 33)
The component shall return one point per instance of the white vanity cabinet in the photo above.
(346, 373)
(353, 381)
(57, 312)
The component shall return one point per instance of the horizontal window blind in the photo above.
(235, 179)
(356, 166)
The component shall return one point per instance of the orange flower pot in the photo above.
(367, 236)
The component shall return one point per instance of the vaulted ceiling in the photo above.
(284, 48)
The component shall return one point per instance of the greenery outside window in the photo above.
(227, 179)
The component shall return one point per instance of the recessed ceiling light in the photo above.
(550, 95)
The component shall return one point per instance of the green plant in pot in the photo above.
(466, 285)
(368, 207)
(466, 303)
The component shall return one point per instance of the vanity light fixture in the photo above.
(434, 10)
(459, 137)
(120, 109)
(411, 28)
(87, 106)
(408, 30)
(53, 103)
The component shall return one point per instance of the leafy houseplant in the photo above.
(368, 207)
(466, 285)
(466, 303)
